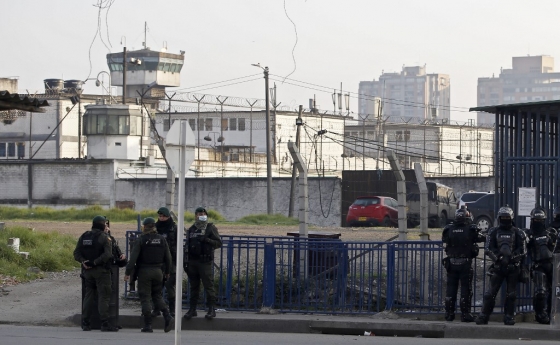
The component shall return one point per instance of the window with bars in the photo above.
(208, 123)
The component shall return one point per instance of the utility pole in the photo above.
(79, 128)
(299, 122)
(124, 77)
(222, 131)
(197, 122)
(268, 162)
(251, 131)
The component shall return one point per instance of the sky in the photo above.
(321, 43)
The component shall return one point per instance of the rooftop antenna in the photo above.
(145, 32)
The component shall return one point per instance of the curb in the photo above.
(251, 322)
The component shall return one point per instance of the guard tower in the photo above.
(146, 68)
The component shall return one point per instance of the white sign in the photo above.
(526, 200)
(173, 145)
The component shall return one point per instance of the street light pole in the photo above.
(268, 162)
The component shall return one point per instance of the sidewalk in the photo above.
(382, 324)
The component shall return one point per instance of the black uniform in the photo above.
(150, 254)
(94, 250)
(168, 229)
(505, 245)
(541, 246)
(202, 241)
(460, 247)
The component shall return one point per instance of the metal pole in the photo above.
(124, 77)
(180, 234)
(251, 131)
(294, 168)
(364, 143)
(79, 128)
(30, 127)
(268, 162)
(198, 124)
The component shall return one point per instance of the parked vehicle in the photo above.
(482, 211)
(373, 211)
(469, 197)
(441, 204)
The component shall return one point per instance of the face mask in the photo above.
(202, 218)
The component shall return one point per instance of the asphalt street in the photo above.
(38, 335)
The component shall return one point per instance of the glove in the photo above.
(89, 264)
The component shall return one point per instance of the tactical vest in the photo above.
(540, 249)
(459, 242)
(198, 249)
(153, 250)
(505, 238)
(91, 248)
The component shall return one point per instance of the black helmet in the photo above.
(505, 216)
(556, 213)
(538, 214)
(462, 215)
(149, 220)
(99, 219)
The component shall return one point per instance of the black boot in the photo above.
(449, 308)
(172, 307)
(211, 313)
(147, 324)
(106, 327)
(509, 311)
(86, 326)
(465, 306)
(191, 312)
(541, 317)
(509, 320)
(168, 321)
(482, 319)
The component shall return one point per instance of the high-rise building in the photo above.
(409, 94)
(531, 79)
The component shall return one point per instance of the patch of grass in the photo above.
(86, 214)
(265, 219)
(47, 251)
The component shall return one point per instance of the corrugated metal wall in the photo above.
(527, 154)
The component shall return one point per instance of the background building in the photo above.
(531, 79)
(408, 94)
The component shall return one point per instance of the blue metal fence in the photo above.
(298, 275)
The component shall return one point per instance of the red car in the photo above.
(373, 211)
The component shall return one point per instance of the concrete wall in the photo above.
(237, 197)
(65, 183)
(58, 183)
(81, 183)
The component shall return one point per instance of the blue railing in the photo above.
(297, 275)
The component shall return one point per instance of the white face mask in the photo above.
(202, 218)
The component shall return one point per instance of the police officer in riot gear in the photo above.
(505, 245)
(202, 239)
(460, 240)
(167, 227)
(556, 219)
(150, 254)
(94, 252)
(541, 246)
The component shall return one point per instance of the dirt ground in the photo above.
(118, 230)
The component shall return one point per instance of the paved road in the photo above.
(36, 335)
